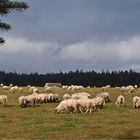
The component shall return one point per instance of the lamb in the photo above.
(136, 101)
(105, 96)
(67, 105)
(120, 101)
(3, 99)
(66, 96)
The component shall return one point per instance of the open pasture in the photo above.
(40, 122)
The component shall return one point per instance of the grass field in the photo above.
(40, 122)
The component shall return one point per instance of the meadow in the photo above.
(40, 122)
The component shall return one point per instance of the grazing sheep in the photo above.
(22, 101)
(40, 98)
(127, 89)
(3, 99)
(80, 95)
(120, 101)
(5, 87)
(20, 89)
(106, 87)
(55, 98)
(67, 105)
(105, 96)
(130, 89)
(47, 89)
(85, 104)
(64, 87)
(66, 96)
(136, 102)
(31, 88)
(99, 101)
(35, 90)
(31, 99)
(14, 89)
(75, 87)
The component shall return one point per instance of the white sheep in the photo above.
(80, 95)
(85, 104)
(14, 89)
(3, 99)
(22, 101)
(105, 96)
(120, 101)
(47, 89)
(99, 101)
(66, 96)
(67, 105)
(136, 101)
(5, 87)
(40, 98)
(31, 99)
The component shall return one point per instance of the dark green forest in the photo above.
(78, 77)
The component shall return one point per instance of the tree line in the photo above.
(78, 77)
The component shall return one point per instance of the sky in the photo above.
(66, 35)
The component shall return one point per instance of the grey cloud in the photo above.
(73, 21)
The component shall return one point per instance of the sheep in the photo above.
(129, 89)
(80, 95)
(14, 89)
(47, 89)
(5, 87)
(22, 101)
(67, 105)
(120, 101)
(75, 87)
(66, 96)
(136, 102)
(105, 87)
(55, 97)
(40, 98)
(31, 88)
(20, 89)
(3, 99)
(99, 101)
(85, 104)
(50, 97)
(31, 99)
(64, 87)
(105, 96)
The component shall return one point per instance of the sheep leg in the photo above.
(80, 109)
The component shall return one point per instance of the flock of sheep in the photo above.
(77, 102)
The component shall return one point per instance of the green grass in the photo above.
(40, 122)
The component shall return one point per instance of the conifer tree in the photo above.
(7, 6)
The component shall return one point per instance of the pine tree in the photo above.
(7, 6)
